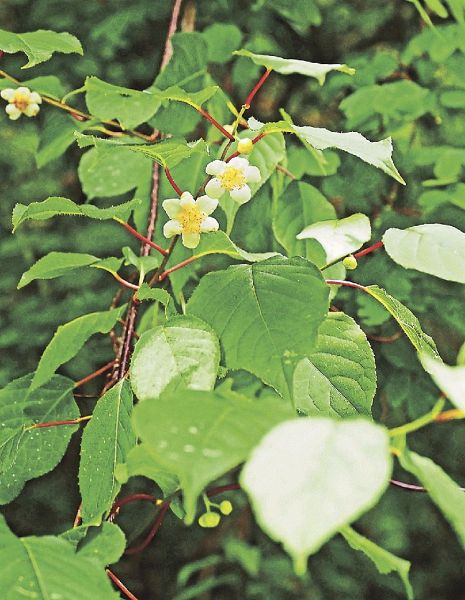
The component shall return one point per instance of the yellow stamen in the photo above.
(190, 218)
(21, 101)
(232, 178)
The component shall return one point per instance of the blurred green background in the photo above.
(409, 84)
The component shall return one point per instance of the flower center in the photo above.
(232, 178)
(21, 101)
(190, 218)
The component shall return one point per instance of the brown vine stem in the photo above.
(95, 374)
(124, 283)
(120, 585)
(139, 236)
(132, 498)
(180, 265)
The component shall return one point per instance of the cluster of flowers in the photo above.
(21, 101)
(189, 217)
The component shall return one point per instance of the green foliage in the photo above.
(106, 442)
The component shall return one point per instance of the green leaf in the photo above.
(169, 153)
(300, 205)
(199, 436)
(27, 453)
(188, 63)
(384, 561)
(47, 567)
(339, 237)
(54, 265)
(104, 545)
(177, 94)
(222, 39)
(57, 135)
(326, 473)
(219, 243)
(70, 338)
(106, 440)
(406, 319)
(40, 211)
(288, 66)
(129, 107)
(433, 248)
(159, 295)
(450, 380)
(339, 377)
(111, 170)
(182, 354)
(444, 492)
(143, 460)
(244, 305)
(378, 154)
(39, 45)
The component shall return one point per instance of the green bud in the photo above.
(209, 519)
(350, 262)
(226, 507)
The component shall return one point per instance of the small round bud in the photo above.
(245, 146)
(350, 262)
(226, 507)
(209, 519)
(229, 128)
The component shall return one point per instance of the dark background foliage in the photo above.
(409, 84)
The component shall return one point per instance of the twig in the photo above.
(119, 584)
(256, 87)
(140, 237)
(153, 531)
(95, 374)
(57, 423)
(351, 284)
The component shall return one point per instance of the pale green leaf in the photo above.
(444, 492)
(182, 354)
(199, 436)
(40, 211)
(433, 248)
(169, 153)
(406, 319)
(289, 66)
(450, 380)
(383, 560)
(106, 440)
(177, 94)
(54, 265)
(143, 460)
(18, 443)
(104, 545)
(339, 237)
(325, 472)
(129, 107)
(44, 568)
(339, 377)
(70, 338)
(39, 45)
(219, 243)
(244, 305)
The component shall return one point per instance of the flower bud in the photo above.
(226, 507)
(209, 520)
(245, 146)
(350, 262)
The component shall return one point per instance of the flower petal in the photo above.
(186, 199)
(172, 228)
(35, 98)
(216, 167)
(241, 195)
(23, 90)
(8, 94)
(252, 174)
(209, 224)
(214, 189)
(206, 204)
(239, 163)
(190, 240)
(12, 111)
(31, 110)
(172, 207)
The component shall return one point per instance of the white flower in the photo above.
(189, 218)
(21, 101)
(232, 177)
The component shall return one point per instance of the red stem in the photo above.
(153, 531)
(255, 89)
(142, 238)
(95, 374)
(119, 584)
(126, 284)
(231, 487)
(351, 284)
(127, 500)
(369, 249)
(177, 267)
(174, 185)
(254, 141)
(56, 423)
(215, 123)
